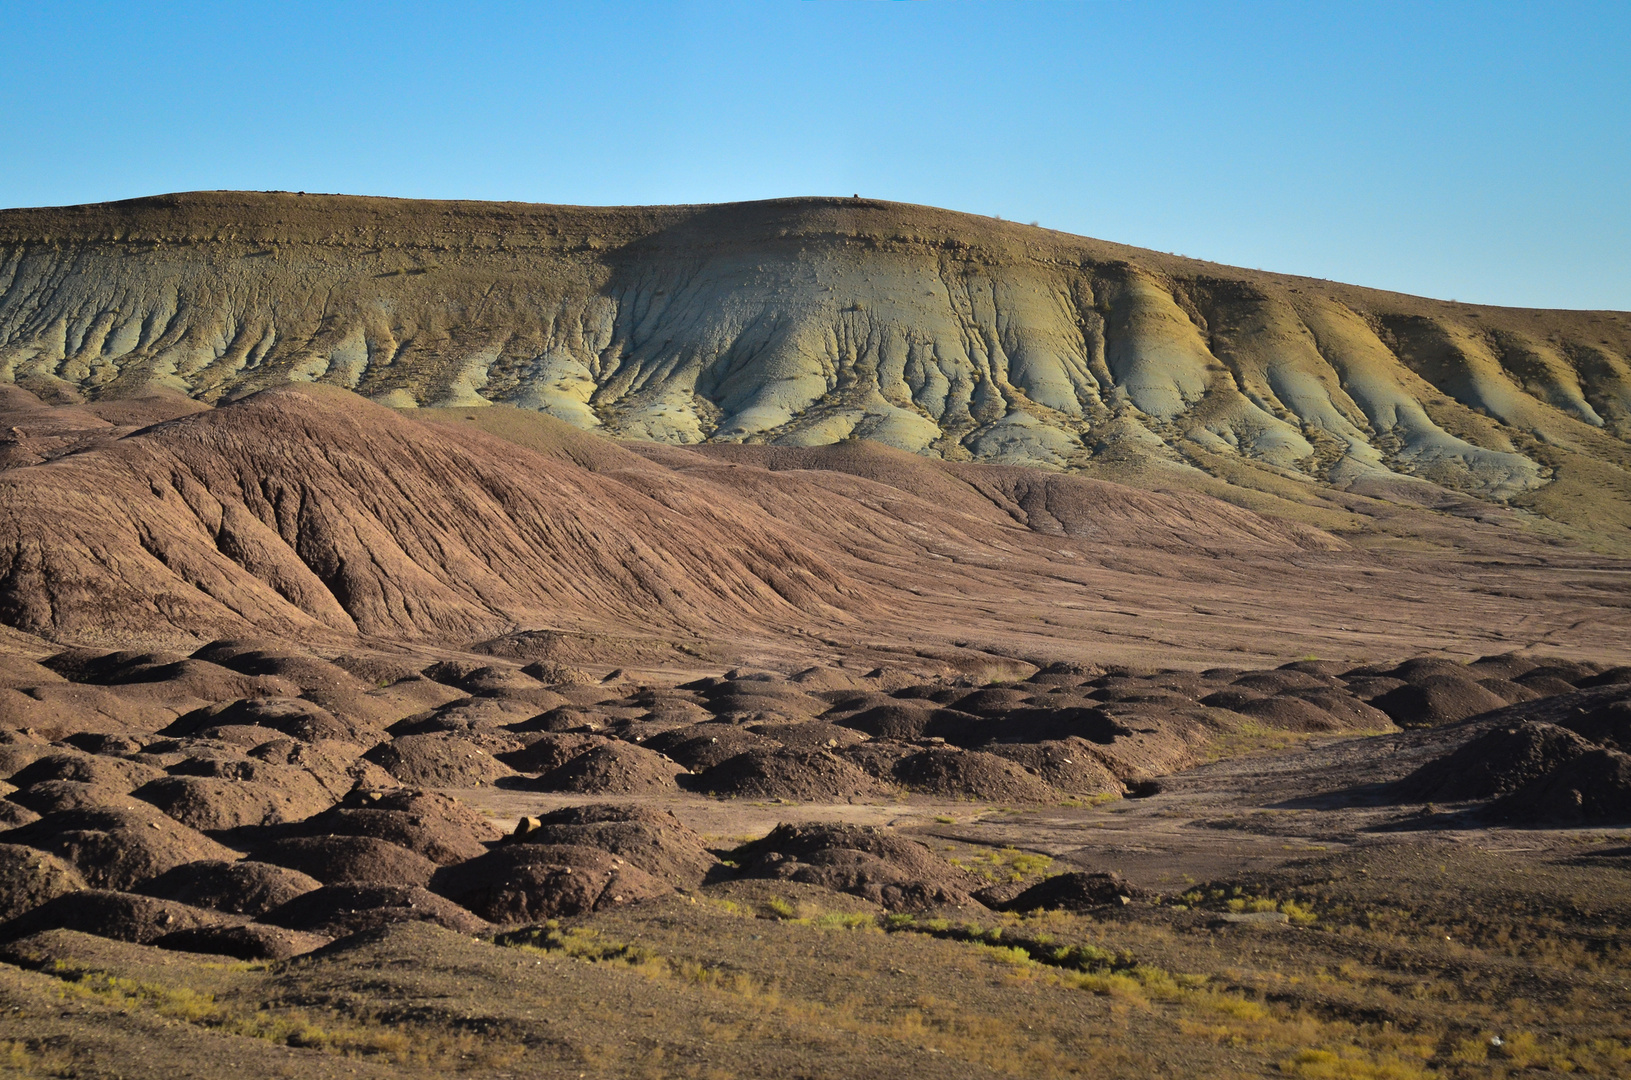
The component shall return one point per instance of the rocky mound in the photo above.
(211, 804)
(50, 796)
(520, 883)
(1439, 698)
(1074, 892)
(702, 746)
(117, 848)
(439, 760)
(613, 768)
(1498, 762)
(1605, 723)
(889, 870)
(118, 915)
(18, 749)
(108, 772)
(252, 941)
(878, 757)
(550, 750)
(432, 806)
(349, 860)
(433, 836)
(248, 887)
(971, 774)
(292, 716)
(806, 776)
(1286, 712)
(651, 839)
(809, 735)
(1067, 765)
(1592, 788)
(105, 743)
(335, 911)
(1350, 712)
(901, 721)
(14, 814)
(28, 878)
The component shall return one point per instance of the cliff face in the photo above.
(805, 321)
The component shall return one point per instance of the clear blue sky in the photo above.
(1476, 151)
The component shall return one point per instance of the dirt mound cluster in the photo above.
(887, 869)
(329, 780)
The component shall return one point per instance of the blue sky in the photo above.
(1480, 152)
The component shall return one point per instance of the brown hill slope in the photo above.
(309, 513)
(798, 322)
(314, 511)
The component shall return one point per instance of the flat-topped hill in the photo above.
(802, 322)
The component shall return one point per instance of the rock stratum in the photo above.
(803, 322)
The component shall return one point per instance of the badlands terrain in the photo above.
(811, 638)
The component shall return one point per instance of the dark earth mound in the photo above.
(349, 860)
(653, 840)
(105, 913)
(520, 883)
(248, 887)
(612, 768)
(117, 848)
(336, 911)
(1076, 891)
(808, 776)
(887, 869)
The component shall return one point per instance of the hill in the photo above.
(801, 322)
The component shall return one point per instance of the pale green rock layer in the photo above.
(804, 322)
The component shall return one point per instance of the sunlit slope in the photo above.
(805, 321)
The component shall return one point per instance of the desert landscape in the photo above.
(805, 638)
